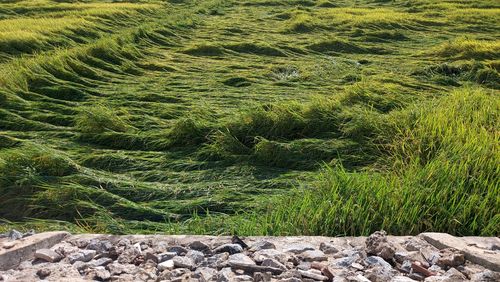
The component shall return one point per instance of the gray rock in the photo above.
(313, 275)
(117, 268)
(345, 262)
(379, 273)
(166, 265)
(99, 273)
(151, 256)
(299, 248)
(262, 277)
(406, 266)
(375, 260)
(450, 257)
(273, 263)
(196, 256)
(229, 248)
(48, 255)
(83, 255)
(400, 278)
(199, 246)
(179, 250)
(328, 248)
(243, 278)
(99, 246)
(14, 235)
(314, 255)
(240, 259)
(166, 256)
(205, 273)
(262, 245)
(486, 276)
(217, 261)
(183, 262)
(225, 275)
(261, 255)
(99, 262)
(377, 244)
(430, 254)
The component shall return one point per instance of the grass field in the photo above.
(251, 117)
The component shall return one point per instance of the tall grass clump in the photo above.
(22, 169)
(99, 119)
(466, 48)
(442, 176)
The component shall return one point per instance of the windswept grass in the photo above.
(201, 116)
(442, 175)
(464, 48)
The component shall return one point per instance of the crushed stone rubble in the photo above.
(376, 259)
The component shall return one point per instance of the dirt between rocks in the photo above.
(378, 258)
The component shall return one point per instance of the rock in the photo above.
(400, 278)
(375, 260)
(83, 255)
(166, 256)
(205, 274)
(450, 257)
(229, 248)
(261, 255)
(454, 274)
(299, 248)
(328, 248)
(196, 256)
(217, 261)
(418, 268)
(262, 245)
(430, 254)
(486, 276)
(345, 262)
(129, 254)
(199, 246)
(47, 255)
(273, 263)
(406, 266)
(240, 259)
(313, 275)
(314, 255)
(151, 257)
(262, 277)
(225, 275)
(146, 274)
(179, 250)
(14, 235)
(65, 249)
(43, 273)
(436, 269)
(99, 262)
(414, 244)
(98, 273)
(99, 246)
(243, 278)
(360, 278)
(183, 262)
(357, 266)
(411, 256)
(377, 244)
(379, 273)
(166, 265)
(416, 276)
(117, 268)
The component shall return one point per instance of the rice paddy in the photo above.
(251, 117)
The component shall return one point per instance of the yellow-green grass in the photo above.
(196, 116)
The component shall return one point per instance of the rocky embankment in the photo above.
(427, 257)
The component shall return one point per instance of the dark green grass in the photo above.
(196, 116)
